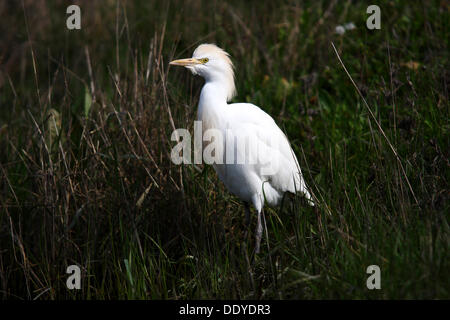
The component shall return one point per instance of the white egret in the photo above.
(250, 181)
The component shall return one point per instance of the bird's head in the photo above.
(212, 63)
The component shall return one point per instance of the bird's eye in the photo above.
(204, 60)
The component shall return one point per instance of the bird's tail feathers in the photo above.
(304, 190)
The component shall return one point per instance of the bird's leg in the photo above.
(244, 248)
(258, 232)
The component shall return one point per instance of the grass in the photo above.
(86, 178)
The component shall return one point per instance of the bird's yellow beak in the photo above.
(185, 62)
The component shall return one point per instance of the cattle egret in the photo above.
(251, 181)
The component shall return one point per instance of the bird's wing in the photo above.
(245, 118)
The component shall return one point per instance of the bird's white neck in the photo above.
(212, 99)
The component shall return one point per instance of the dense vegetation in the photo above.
(86, 118)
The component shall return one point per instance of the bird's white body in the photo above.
(248, 181)
(267, 145)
